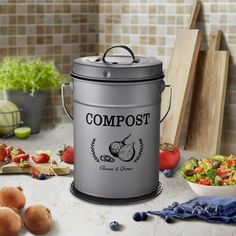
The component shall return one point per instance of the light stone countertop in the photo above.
(74, 217)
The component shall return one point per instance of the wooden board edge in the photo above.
(65, 170)
(186, 144)
(223, 101)
(194, 14)
(190, 83)
(9, 169)
(220, 125)
(214, 40)
(14, 169)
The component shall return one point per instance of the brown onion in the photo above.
(38, 219)
(12, 197)
(10, 222)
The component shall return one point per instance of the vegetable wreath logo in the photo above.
(119, 149)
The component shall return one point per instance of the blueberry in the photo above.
(216, 211)
(204, 204)
(168, 172)
(144, 216)
(203, 212)
(197, 207)
(196, 210)
(168, 219)
(42, 176)
(175, 204)
(114, 225)
(195, 204)
(137, 216)
(212, 210)
(179, 210)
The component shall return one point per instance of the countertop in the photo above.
(74, 217)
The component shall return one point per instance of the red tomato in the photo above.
(204, 181)
(18, 158)
(169, 156)
(41, 158)
(220, 171)
(199, 170)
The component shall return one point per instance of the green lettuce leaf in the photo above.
(211, 174)
(193, 178)
(218, 158)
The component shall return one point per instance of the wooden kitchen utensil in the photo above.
(180, 75)
(51, 168)
(207, 109)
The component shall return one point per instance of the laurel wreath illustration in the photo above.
(92, 147)
(140, 153)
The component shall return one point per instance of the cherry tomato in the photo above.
(169, 156)
(229, 162)
(199, 170)
(204, 181)
(220, 171)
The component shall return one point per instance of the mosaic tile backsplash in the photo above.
(53, 30)
(149, 27)
(61, 30)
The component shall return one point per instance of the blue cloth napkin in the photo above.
(213, 209)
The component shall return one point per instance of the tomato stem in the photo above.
(167, 146)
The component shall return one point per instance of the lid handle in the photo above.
(120, 46)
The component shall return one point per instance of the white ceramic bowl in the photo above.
(219, 191)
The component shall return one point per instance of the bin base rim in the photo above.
(115, 201)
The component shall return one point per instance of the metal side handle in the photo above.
(171, 93)
(63, 101)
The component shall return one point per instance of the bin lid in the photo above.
(117, 68)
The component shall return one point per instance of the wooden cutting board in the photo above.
(207, 109)
(47, 168)
(180, 74)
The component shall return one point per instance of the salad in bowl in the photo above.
(207, 176)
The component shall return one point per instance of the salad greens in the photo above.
(214, 171)
(33, 75)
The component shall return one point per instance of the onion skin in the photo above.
(12, 197)
(10, 222)
(38, 219)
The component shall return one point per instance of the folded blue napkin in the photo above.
(213, 209)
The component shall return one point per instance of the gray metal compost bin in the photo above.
(116, 116)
